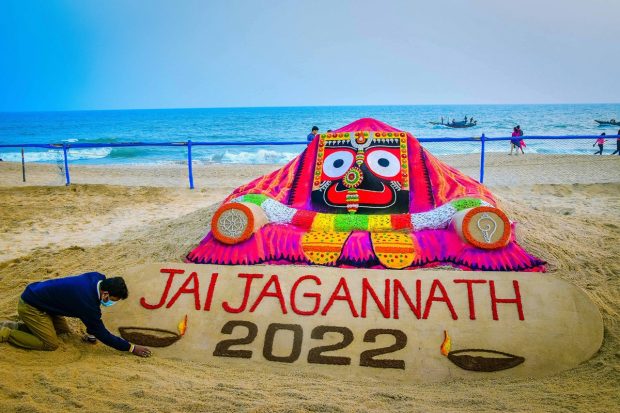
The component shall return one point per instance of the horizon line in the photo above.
(301, 106)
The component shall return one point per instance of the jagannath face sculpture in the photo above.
(361, 172)
(367, 195)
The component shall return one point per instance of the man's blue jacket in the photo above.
(75, 296)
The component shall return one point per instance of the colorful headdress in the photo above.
(365, 195)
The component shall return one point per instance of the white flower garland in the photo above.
(437, 218)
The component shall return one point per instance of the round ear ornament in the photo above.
(483, 227)
(235, 222)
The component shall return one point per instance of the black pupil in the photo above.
(338, 163)
(383, 162)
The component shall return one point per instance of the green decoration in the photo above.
(257, 199)
(466, 203)
(350, 222)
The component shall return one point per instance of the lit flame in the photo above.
(447, 343)
(182, 325)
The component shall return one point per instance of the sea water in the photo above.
(284, 124)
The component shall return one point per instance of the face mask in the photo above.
(108, 303)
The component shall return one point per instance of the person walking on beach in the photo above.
(521, 141)
(617, 151)
(600, 142)
(311, 135)
(44, 304)
(514, 141)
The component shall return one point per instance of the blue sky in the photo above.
(83, 54)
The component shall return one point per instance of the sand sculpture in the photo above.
(354, 210)
(366, 195)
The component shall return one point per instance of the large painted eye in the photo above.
(337, 163)
(383, 163)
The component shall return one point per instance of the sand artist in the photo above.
(369, 196)
(44, 304)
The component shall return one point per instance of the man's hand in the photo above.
(141, 351)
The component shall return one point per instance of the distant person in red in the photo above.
(514, 141)
(521, 141)
(617, 151)
(600, 142)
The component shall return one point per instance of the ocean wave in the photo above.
(98, 140)
(127, 152)
(262, 156)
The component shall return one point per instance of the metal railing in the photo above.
(189, 144)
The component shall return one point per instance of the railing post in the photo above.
(23, 167)
(482, 139)
(189, 164)
(67, 177)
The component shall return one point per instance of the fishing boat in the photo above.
(461, 124)
(611, 122)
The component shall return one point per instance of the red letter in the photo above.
(516, 300)
(265, 293)
(470, 295)
(444, 297)
(209, 297)
(246, 293)
(162, 300)
(416, 309)
(347, 296)
(366, 288)
(183, 290)
(316, 296)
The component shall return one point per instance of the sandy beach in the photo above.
(113, 218)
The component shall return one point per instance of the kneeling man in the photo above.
(44, 304)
